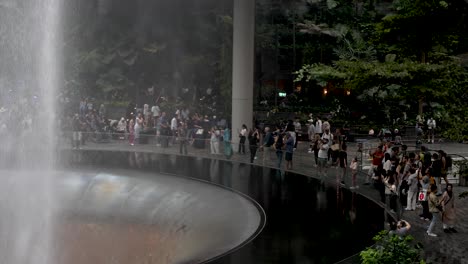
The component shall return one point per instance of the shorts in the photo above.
(322, 162)
(288, 156)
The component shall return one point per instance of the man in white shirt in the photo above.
(431, 126)
(156, 111)
(174, 129)
(318, 126)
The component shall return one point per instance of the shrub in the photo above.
(390, 249)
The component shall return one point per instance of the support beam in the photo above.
(243, 66)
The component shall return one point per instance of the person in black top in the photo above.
(436, 167)
(343, 156)
(279, 143)
(254, 137)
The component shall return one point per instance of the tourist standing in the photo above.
(425, 188)
(431, 126)
(254, 137)
(182, 136)
(214, 140)
(279, 143)
(434, 206)
(138, 127)
(311, 134)
(227, 143)
(412, 190)
(289, 151)
(448, 216)
(323, 156)
(377, 157)
(268, 141)
(390, 191)
(316, 147)
(174, 129)
(242, 138)
(76, 134)
(318, 126)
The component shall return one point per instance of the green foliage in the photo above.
(119, 52)
(390, 249)
(390, 88)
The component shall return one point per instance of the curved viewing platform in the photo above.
(211, 209)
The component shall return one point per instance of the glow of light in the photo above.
(325, 91)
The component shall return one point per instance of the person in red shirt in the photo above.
(377, 157)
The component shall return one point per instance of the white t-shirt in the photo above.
(431, 124)
(323, 152)
(318, 127)
(243, 132)
(328, 136)
(156, 111)
(174, 123)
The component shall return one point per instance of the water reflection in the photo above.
(295, 205)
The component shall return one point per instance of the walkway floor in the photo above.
(446, 248)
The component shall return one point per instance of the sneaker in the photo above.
(422, 218)
(352, 188)
(453, 230)
(427, 219)
(431, 234)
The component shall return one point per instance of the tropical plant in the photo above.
(390, 249)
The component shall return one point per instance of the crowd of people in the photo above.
(407, 181)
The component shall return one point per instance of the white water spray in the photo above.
(30, 69)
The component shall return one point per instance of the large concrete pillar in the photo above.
(243, 66)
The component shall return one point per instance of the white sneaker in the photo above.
(431, 234)
(352, 188)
